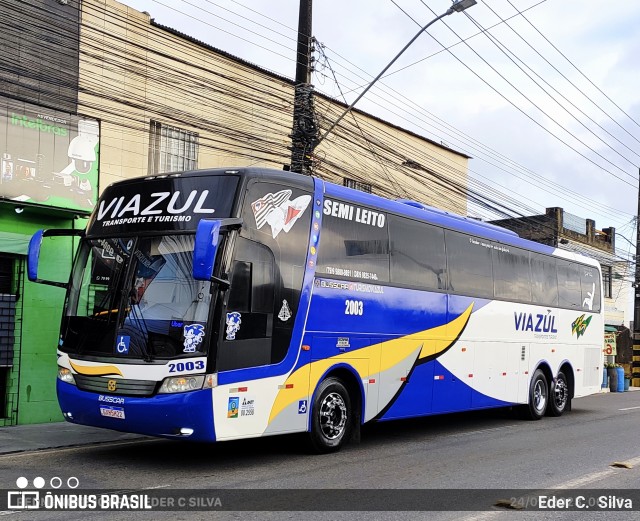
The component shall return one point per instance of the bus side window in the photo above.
(590, 284)
(469, 264)
(240, 295)
(511, 274)
(544, 280)
(569, 290)
(417, 254)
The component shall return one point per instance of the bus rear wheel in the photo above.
(558, 395)
(538, 397)
(331, 417)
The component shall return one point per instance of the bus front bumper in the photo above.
(181, 415)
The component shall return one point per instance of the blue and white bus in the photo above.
(233, 303)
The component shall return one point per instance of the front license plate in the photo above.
(112, 412)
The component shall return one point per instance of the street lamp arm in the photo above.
(458, 6)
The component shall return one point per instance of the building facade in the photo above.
(48, 178)
(96, 92)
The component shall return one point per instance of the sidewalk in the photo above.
(22, 438)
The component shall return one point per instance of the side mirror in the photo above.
(205, 249)
(33, 254)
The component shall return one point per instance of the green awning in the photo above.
(610, 329)
(15, 243)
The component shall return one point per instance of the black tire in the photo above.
(538, 397)
(331, 417)
(559, 396)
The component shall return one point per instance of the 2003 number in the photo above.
(180, 367)
(353, 307)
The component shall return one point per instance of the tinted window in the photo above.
(590, 284)
(417, 254)
(544, 280)
(569, 290)
(469, 262)
(252, 283)
(279, 217)
(511, 273)
(266, 275)
(354, 242)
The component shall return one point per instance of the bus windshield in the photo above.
(136, 298)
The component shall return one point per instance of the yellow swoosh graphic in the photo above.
(372, 359)
(95, 370)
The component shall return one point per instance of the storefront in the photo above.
(48, 179)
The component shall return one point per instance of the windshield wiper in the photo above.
(134, 319)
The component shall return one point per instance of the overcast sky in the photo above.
(580, 152)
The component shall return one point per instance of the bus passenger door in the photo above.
(249, 307)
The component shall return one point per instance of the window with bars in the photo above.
(6, 274)
(171, 149)
(352, 183)
(606, 281)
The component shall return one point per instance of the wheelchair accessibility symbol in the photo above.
(302, 406)
(122, 347)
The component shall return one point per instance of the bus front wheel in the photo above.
(331, 417)
(558, 396)
(538, 397)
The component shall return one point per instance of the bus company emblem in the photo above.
(278, 211)
(163, 202)
(538, 323)
(234, 319)
(193, 336)
(579, 325)
(112, 385)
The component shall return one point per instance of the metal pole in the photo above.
(635, 364)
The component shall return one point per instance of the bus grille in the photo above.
(100, 384)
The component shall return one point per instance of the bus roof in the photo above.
(423, 212)
(403, 207)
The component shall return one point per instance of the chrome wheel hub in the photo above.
(540, 396)
(333, 416)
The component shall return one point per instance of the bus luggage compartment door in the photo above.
(360, 356)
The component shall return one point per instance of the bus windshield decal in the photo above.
(193, 336)
(278, 211)
(163, 205)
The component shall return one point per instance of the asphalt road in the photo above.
(454, 454)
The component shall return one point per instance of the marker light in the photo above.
(210, 381)
(65, 375)
(181, 384)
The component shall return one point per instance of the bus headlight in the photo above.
(65, 375)
(181, 384)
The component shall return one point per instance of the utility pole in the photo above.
(635, 364)
(304, 132)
